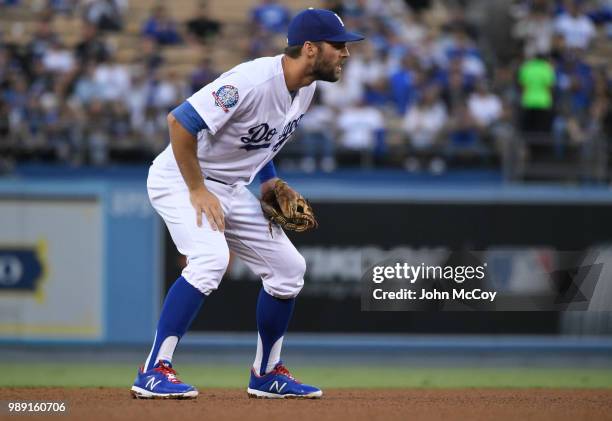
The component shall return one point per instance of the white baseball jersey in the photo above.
(250, 114)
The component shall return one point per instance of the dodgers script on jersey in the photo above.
(250, 115)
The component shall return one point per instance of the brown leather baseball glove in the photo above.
(285, 207)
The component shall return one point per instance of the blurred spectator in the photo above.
(368, 72)
(167, 91)
(354, 9)
(484, 106)
(463, 136)
(86, 88)
(602, 89)
(68, 136)
(43, 37)
(605, 107)
(91, 47)
(145, 110)
(106, 15)
(149, 56)
(6, 141)
(201, 27)
(202, 75)
(463, 49)
(459, 21)
(57, 59)
(154, 129)
(72, 104)
(97, 133)
(344, 93)
(418, 5)
(425, 124)
(336, 6)
(535, 31)
(557, 49)
(537, 79)
(16, 97)
(381, 35)
(120, 126)
(62, 6)
(9, 64)
(54, 142)
(271, 16)
(113, 79)
(412, 30)
(575, 86)
(40, 79)
(261, 44)
(4, 122)
(574, 79)
(576, 28)
(161, 27)
(431, 52)
(456, 84)
(35, 120)
(365, 76)
(403, 84)
(316, 137)
(362, 129)
(138, 98)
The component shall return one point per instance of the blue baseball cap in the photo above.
(318, 25)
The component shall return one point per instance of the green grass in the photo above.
(106, 375)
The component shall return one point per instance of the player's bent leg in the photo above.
(207, 258)
(269, 377)
(281, 267)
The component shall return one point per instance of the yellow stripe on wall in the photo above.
(48, 330)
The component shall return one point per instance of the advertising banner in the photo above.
(51, 269)
(521, 244)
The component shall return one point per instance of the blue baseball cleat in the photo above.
(279, 384)
(161, 382)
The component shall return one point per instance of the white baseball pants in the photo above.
(274, 258)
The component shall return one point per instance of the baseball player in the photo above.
(221, 138)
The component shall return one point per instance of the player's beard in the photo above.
(324, 70)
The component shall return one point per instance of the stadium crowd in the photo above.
(432, 86)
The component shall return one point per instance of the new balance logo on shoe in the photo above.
(276, 386)
(151, 383)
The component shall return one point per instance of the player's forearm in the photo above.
(184, 146)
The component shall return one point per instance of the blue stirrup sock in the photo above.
(273, 315)
(181, 306)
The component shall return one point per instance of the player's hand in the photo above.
(203, 201)
(267, 185)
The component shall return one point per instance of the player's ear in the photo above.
(310, 49)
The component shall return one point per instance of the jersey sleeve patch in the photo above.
(226, 97)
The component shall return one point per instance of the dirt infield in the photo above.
(340, 404)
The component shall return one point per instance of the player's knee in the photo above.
(220, 262)
(289, 280)
(206, 271)
(295, 266)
